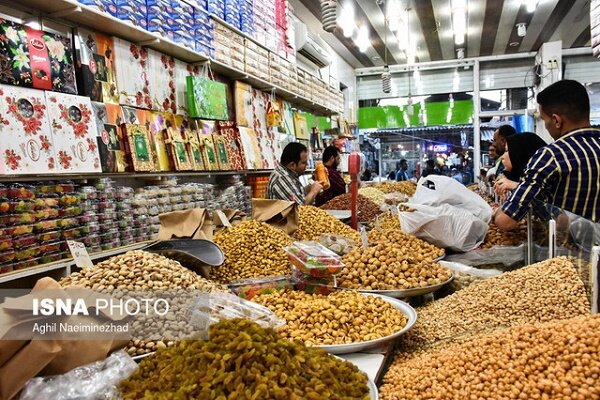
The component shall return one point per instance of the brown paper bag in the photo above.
(278, 213)
(193, 224)
(227, 217)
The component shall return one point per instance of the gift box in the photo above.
(96, 70)
(252, 153)
(133, 12)
(189, 134)
(259, 108)
(106, 6)
(207, 98)
(178, 150)
(243, 104)
(161, 69)
(133, 75)
(155, 123)
(221, 152)
(138, 147)
(205, 131)
(26, 144)
(74, 133)
(228, 131)
(36, 59)
(111, 145)
(265, 145)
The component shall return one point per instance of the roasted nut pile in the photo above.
(393, 260)
(141, 272)
(244, 361)
(406, 187)
(462, 280)
(496, 237)
(541, 292)
(375, 195)
(367, 209)
(342, 317)
(314, 221)
(252, 249)
(554, 360)
(386, 221)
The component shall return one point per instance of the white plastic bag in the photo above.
(505, 255)
(445, 226)
(437, 190)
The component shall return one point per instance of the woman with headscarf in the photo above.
(519, 150)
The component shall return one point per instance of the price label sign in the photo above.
(224, 219)
(363, 236)
(80, 254)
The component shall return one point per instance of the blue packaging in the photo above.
(184, 38)
(133, 11)
(107, 6)
(216, 7)
(159, 26)
(158, 9)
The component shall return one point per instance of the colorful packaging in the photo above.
(139, 147)
(205, 137)
(243, 104)
(36, 59)
(161, 69)
(133, 11)
(207, 98)
(314, 259)
(96, 70)
(235, 153)
(250, 146)
(106, 6)
(26, 144)
(178, 150)
(132, 74)
(111, 144)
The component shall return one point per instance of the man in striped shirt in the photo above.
(565, 173)
(284, 182)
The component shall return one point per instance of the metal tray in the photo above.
(373, 391)
(340, 214)
(405, 293)
(405, 308)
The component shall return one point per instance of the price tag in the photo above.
(224, 219)
(363, 236)
(80, 254)
(377, 223)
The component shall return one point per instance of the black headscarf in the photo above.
(521, 147)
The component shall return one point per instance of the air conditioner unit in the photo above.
(311, 46)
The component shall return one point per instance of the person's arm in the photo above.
(337, 185)
(314, 190)
(540, 174)
(503, 186)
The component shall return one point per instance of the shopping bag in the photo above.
(206, 97)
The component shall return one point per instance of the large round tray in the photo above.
(406, 309)
(373, 391)
(405, 293)
(340, 214)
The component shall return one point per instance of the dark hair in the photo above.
(521, 148)
(430, 162)
(330, 151)
(403, 161)
(292, 152)
(566, 98)
(506, 131)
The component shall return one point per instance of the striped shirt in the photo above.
(565, 173)
(284, 184)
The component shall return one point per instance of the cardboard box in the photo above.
(133, 75)
(111, 143)
(36, 59)
(138, 147)
(74, 132)
(134, 12)
(106, 6)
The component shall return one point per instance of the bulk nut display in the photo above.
(554, 360)
(242, 360)
(341, 317)
(496, 237)
(313, 222)
(394, 260)
(386, 221)
(375, 195)
(405, 187)
(541, 292)
(252, 250)
(367, 209)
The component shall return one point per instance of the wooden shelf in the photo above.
(124, 175)
(67, 262)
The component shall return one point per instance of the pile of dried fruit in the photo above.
(496, 237)
(367, 209)
(406, 187)
(314, 221)
(554, 360)
(252, 249)
(244, 361)
(538, 293)
(393, 260)
(375, 195)
(341, 317)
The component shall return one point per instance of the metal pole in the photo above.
(595, 280)
(552, 239)
(380, 160)
(530, 237)
(476, 122)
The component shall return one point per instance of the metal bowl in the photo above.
(405, 308)
(373, 391)
(340, 214)
(405, 293)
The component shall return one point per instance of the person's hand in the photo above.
(502, 186)
(316, 187)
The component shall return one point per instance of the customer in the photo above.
(496, 160)
(430, 169)
(500, 136)
(402, 174)
(284, 182)
(519, 150)
(331, 160)
(565, 173)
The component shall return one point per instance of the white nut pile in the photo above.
(375, 195)
(541, 292)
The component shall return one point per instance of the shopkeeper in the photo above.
(284, 182)
(565, 173)
(331, 160)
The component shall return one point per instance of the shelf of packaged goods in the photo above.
(81, 15)
(124, 175)
(63, 264)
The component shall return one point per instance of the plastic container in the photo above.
(88, 205)
(154, 210)
(113, 244)
(47, 213)
(106, 216)
(248, 288)
(70, 211)
(69, 199)
(47, 225)
(124, 205)
(19, 191)
(106, 206)
(123, 192)
(46, 202)
(175, 199)
(25, 263)
(49, 236)
(108, 225)
(178, 207)
(21, 242)
(7, 256)
(125, 222)
(64, 187)
(106, 194)
(95, 249)
(51, 247)
(340, 245)
(88, 193)
(151, 191)
(109, 236)
(140, 211)
(88, 217)
(68, 222)
(19, 230)
(14, 206)
(89, 228)
(27, 252)
(104, 183)
(140, 200)
(44, 189)
(314, 259)
(91, 240)
(71, 234)
(3, 190)
(52, 257)
(127, 235)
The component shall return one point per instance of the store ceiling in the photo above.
(491, 28)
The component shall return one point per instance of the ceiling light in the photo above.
(459, 20)
(346, 20)
(522, 29)
(362, 40)
(394, 23)
(410, 57)
(531, 5)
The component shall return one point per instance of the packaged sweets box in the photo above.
(36, 59)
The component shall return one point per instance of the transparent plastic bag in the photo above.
(210, 308)
(95, 381)
(502, 255)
